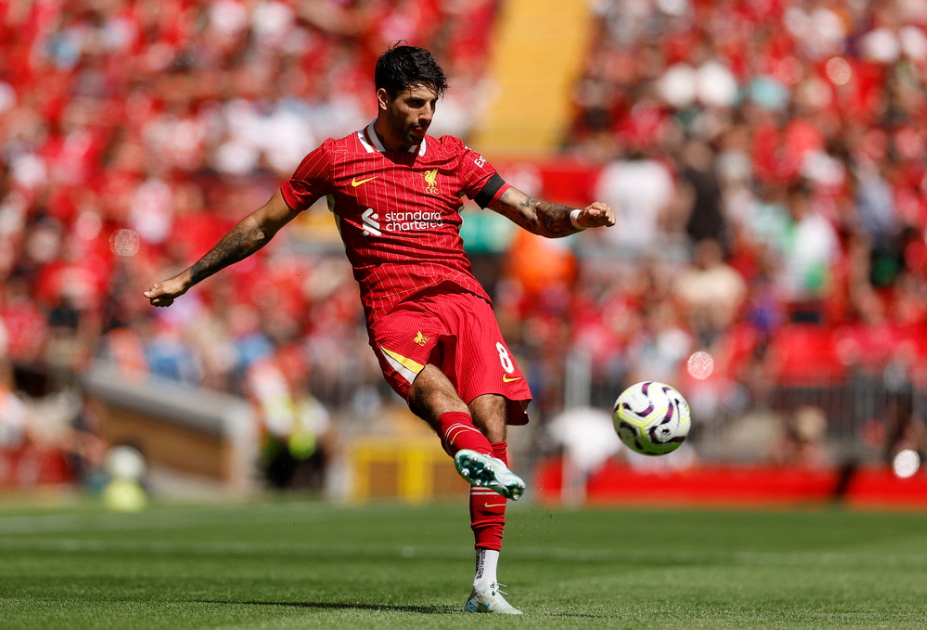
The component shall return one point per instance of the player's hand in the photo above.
(595, 215)
(163, 293)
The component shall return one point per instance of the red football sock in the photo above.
(487, 509)
(457, 432)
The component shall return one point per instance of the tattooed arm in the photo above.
(250, 235)
(549, 219)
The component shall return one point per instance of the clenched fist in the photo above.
(163, 293)
(595, 215)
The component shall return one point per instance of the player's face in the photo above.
(409, 114)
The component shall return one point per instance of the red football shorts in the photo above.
(458, 332)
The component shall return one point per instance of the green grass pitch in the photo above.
(309, 564)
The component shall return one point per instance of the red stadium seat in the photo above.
(805, 354)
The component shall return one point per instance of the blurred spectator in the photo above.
(701, 195)
(87, 452)
(295, 426)
(808, 247)
(640, 190)
(879, 218)
(659, 350)
(802, 444)
(12, 410)
(169, 356)
(711, 293)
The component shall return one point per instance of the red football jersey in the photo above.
(398, 212)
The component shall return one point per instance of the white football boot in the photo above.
(489, 599)
(482, 470)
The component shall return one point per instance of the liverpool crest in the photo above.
(430, 176)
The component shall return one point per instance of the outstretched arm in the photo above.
(550, 219)
(250, 235)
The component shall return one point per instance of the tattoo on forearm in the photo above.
(540, 217)
(239, 243)
(555, 218)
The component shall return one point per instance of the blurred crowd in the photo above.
(133, 134)
(766, 160)
(781, 146)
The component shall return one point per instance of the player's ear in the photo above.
(383, 99)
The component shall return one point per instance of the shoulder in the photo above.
(332, 150)
(449, 144)
(453, 149)
(324, 149)
(350, 143)
(347, 143)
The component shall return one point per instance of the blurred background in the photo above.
(765, 159)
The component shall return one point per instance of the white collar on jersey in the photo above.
(378, 146)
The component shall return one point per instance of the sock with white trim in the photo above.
(487, 561)
(456, 430)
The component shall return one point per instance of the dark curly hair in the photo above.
(402, 67)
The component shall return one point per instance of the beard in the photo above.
(412, 138)
(404, 130)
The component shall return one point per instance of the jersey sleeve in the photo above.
(311, 180)
(479, 178)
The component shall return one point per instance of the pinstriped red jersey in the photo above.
(398, 212)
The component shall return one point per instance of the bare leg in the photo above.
(489, 415)
(434, 398)
(432, 395)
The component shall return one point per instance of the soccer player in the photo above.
(396, 195)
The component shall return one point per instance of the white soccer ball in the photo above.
(652, 418)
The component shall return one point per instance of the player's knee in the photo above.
(493, 429)
(489, 416)
(431, 397)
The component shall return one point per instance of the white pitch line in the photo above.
(169, 519)
(124, 522)
(560, 555)
(213, 548)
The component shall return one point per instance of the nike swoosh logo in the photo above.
(355, 182)
(489, 505)
(506, 379)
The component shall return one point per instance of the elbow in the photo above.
(262, 236)
(259, 238)
(257, 235)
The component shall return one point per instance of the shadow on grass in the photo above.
(423, 610)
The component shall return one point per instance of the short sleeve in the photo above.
(475, 173)
(311, 180)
